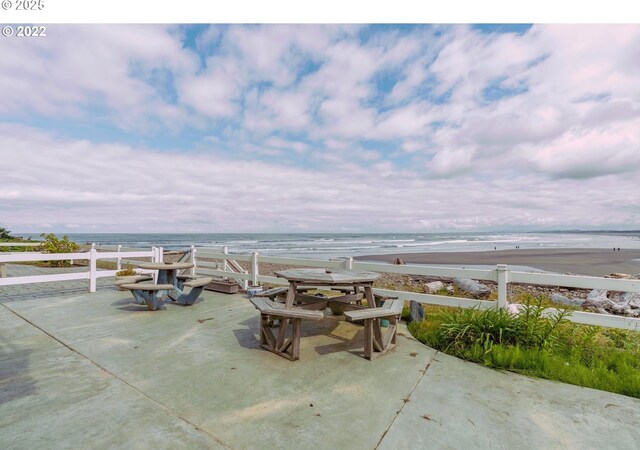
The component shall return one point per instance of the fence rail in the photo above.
(92, 274)
(20, 244)
(500, 275)
(229, 268)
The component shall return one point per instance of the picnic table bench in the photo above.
(197, 285)
(375, 344)
(279, 293)
(287, 346)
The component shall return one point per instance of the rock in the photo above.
(450, 289)
(559, 298)
(513, 309)
(597, 295)
(477, 290)
(433, 287)
(632, 299)
(398, 261)
(619, 303)
(416, 311)
(626, 303)
(619, 275)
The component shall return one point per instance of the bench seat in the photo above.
(147, 286)
(197, 282)
(187, 277)
(375, 344)
(272, 293)
(197, 286)
(282, 345)
(280, 292)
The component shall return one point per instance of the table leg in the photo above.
(172, 276)
(368, 293)
(291, 295)
(162, 276)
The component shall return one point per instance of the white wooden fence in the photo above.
(92, 274)
(501, 275)
(229, 268)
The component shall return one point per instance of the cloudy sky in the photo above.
(145, 128)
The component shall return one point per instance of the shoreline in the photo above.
(591, 261)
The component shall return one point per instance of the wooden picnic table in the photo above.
(167, 272)
(352, 286)
(344, 280)
(169, 284)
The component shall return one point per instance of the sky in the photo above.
(320, 128)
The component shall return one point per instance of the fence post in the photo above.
(254, 268)
(348, 263)
(193, 260)
(119, 263)
(92, 269)
(503, 279)
(154, 258)
(160, 254)
(225, 266)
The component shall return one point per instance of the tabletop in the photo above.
(328, 276)
(165, 266)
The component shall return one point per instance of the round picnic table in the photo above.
(347, 279)
(167, 272)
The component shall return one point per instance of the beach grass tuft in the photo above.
(538, 346)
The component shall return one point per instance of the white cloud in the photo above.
(213, 93)
(121, 188)
(537, 128)
(103, 66)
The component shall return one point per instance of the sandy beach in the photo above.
(594, 262)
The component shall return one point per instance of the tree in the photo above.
(5, 234)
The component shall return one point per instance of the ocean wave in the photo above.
(454, 241)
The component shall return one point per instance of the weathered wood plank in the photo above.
(198, 282)
(375, 313)
(391, 332)
(148, 287)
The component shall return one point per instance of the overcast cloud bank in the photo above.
(320, 128)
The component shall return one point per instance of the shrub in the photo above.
(128, 271)
(52, 244)
(463, 328)
(5, 234)
(531, 344)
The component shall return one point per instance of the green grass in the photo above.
(553, 348)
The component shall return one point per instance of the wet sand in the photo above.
(593, 261)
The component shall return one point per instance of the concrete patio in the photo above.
(80, 370)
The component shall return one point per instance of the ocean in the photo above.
(332, 245)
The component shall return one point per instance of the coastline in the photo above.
(590, 261)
